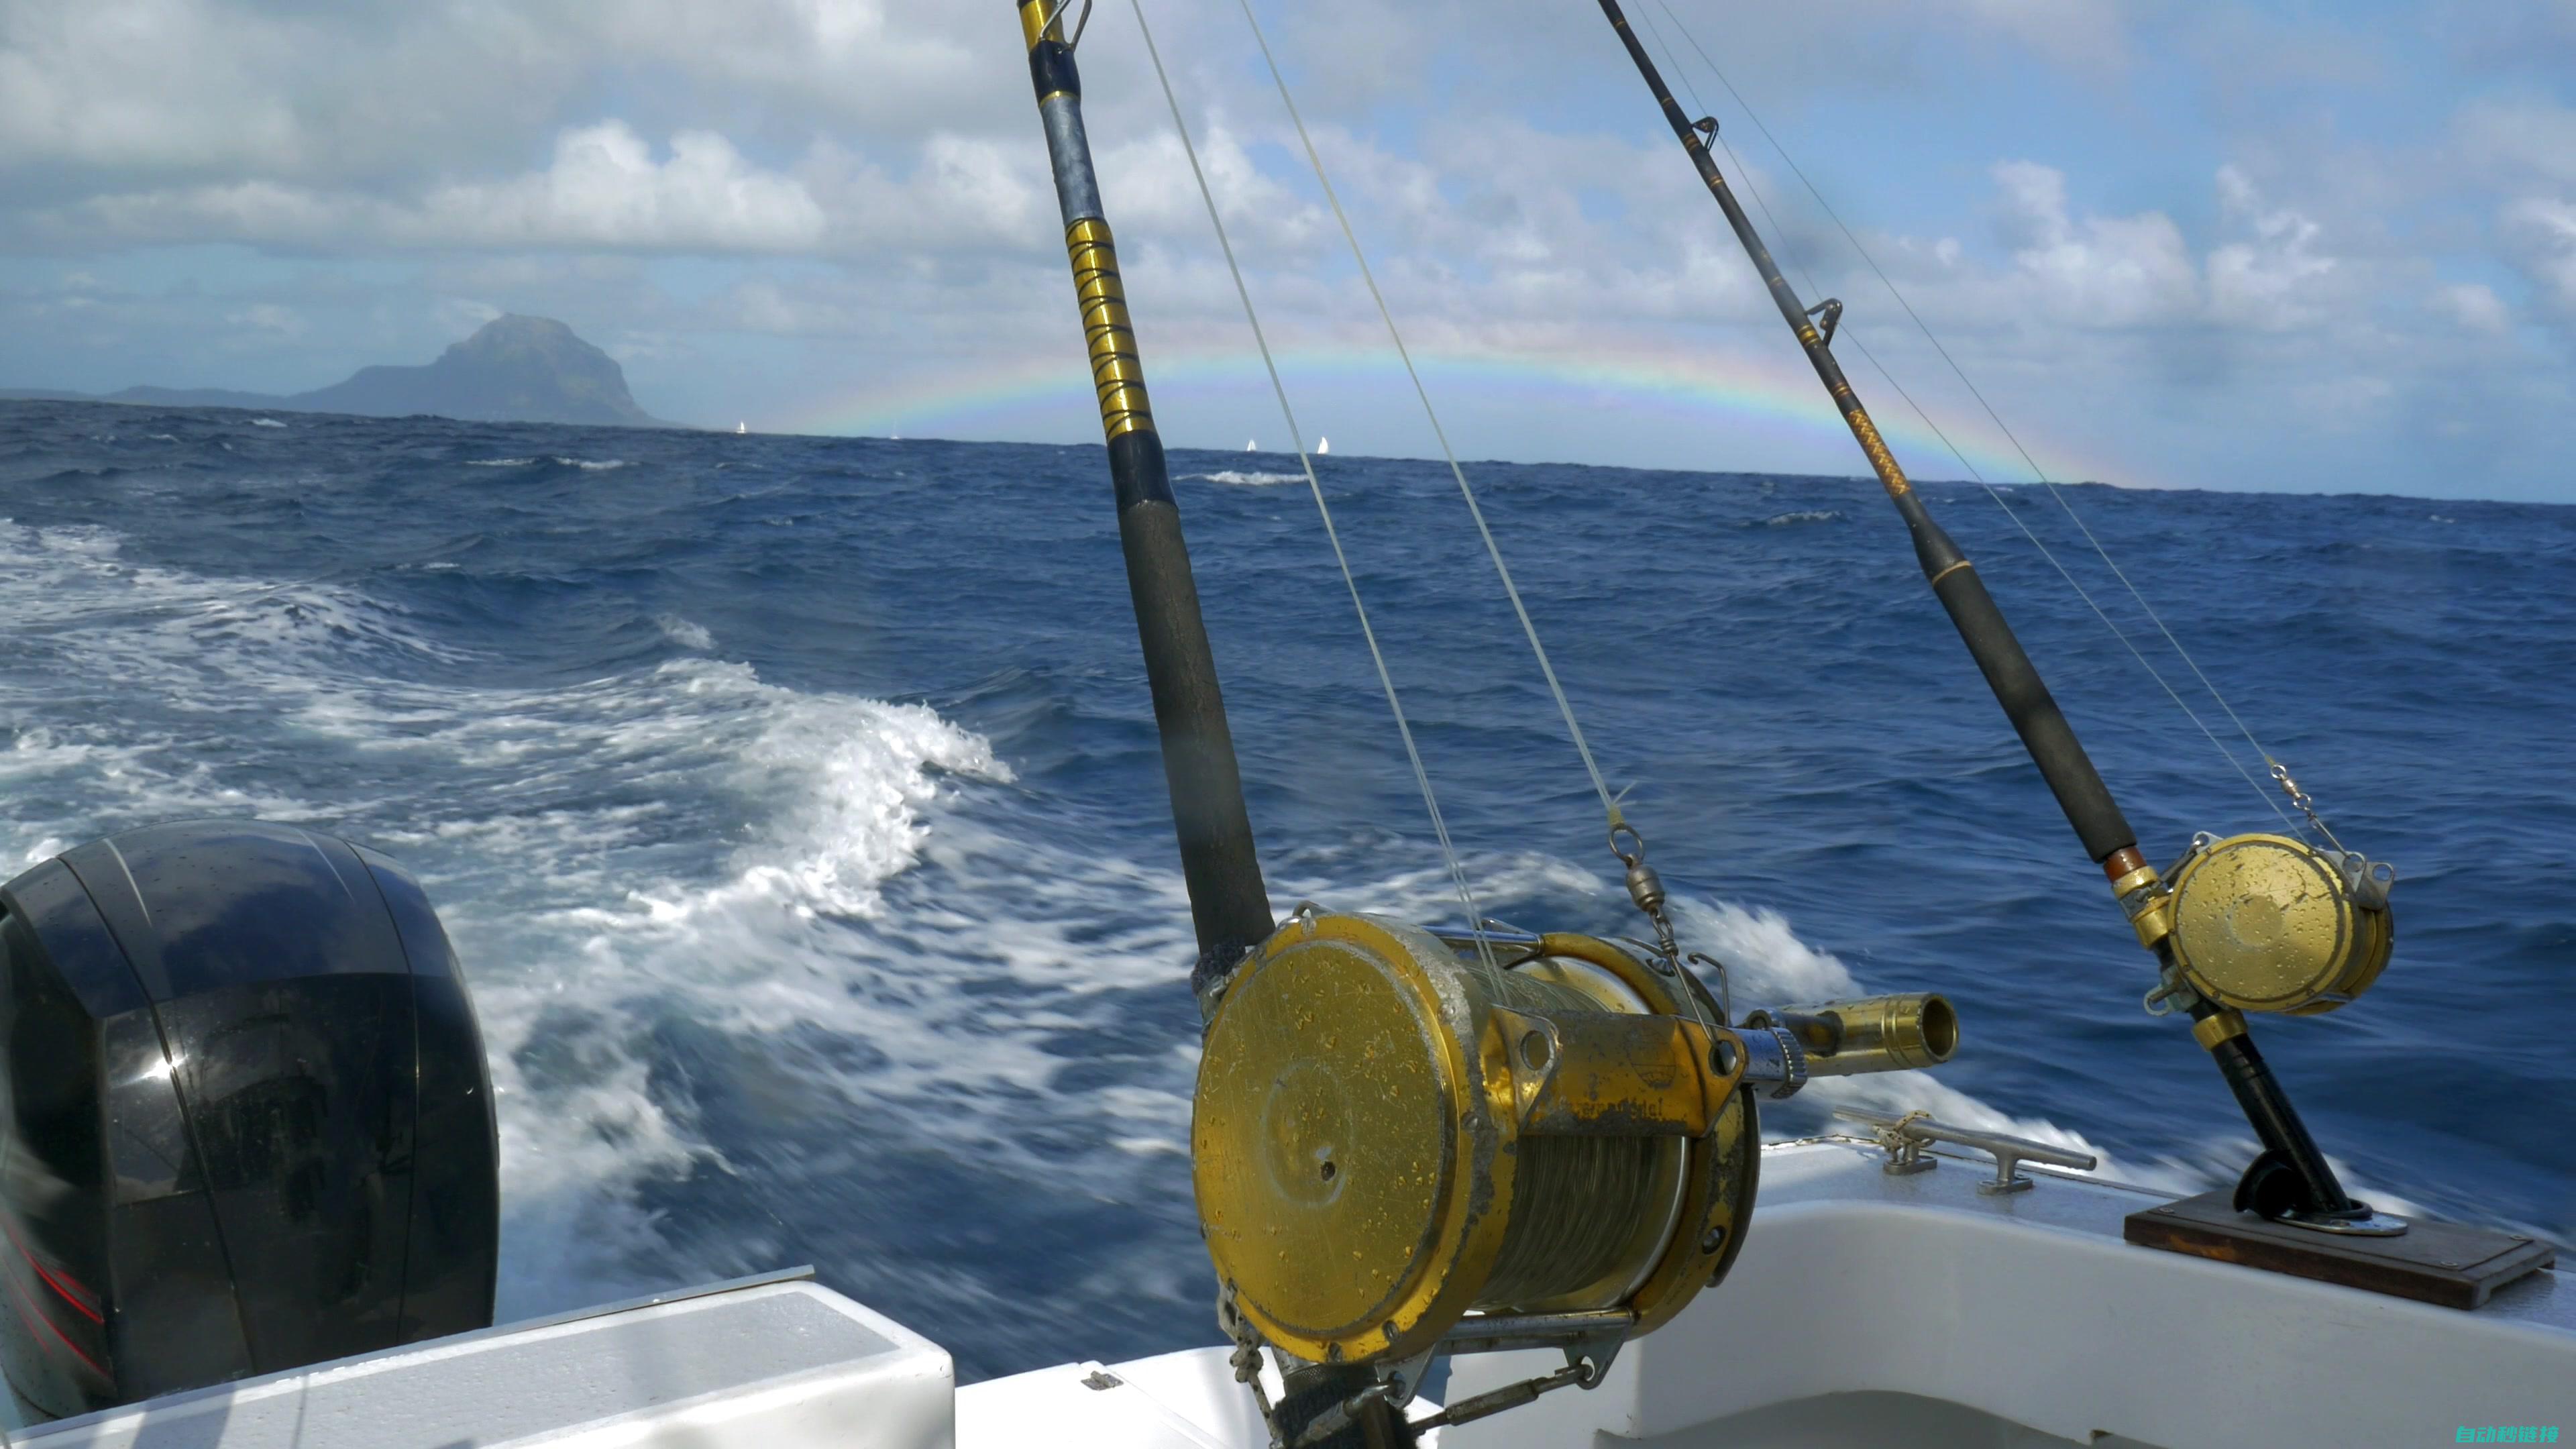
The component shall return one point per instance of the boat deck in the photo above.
(1866, 1309)
(1875, 1309)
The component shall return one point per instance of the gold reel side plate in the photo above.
(1332, 1062)
(2268, 923)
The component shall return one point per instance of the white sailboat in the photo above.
(1323, 446)
(1908, 1283)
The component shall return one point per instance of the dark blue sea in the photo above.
(794, 802)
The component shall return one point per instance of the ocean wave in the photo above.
(776, 966)
(869, 906)
(588, 465)
(1804, 515)
(1246, 480)
(1769, 963)
(266, 423)
(685, 841)
(618, 930)
(684, 633)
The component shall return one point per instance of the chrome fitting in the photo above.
(1775, 1065)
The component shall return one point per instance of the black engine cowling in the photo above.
(247, 1123)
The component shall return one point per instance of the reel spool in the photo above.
(2268, 923)
(1388, 1136)
(1391, 1135)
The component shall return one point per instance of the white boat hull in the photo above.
(1865, 1310)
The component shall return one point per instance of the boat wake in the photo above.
(766, 975)
(775, 971)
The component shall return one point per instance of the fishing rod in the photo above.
(1229, 903)
(1410, 1141)
(2249, 923)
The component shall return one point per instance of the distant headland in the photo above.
(512, 370)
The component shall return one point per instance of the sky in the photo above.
(2273, 246)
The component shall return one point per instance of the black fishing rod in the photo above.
(1603, 1171)
(2292, 1178)
(1228, 902)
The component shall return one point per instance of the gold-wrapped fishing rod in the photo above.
(1228, 903)
(1403, 1141)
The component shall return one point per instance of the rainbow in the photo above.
(1726, 396)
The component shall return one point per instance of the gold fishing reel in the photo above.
(1395, 1130)
(2269, 923)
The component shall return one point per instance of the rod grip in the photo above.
(2017, 686)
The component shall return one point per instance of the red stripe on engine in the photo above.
(66, 1285)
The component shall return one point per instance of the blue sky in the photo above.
(2273, 246)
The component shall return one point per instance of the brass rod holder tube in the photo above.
(1872, 1034)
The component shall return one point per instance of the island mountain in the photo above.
(512, 370)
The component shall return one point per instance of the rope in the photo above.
(1955, 451)
(1386, 680)
(1574, 730)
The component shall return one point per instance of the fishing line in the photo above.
(1601, 787)
(1885, 375)
(1386, 679)
(1955, 450)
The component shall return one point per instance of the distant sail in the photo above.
(741, 428)
(1251, 445)
(1323, 446)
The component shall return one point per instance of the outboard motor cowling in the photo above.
(245, 1119)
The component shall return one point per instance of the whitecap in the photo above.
(586, 464)
(266, 423)
(838, 887)
(684, 633)
(1246, 480)
(1769, 962)
(682, 841)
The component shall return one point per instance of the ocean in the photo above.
(795, 806)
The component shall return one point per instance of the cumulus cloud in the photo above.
(411, 88)
(161, 84)
(2473, 305)
(2274, 280)
(606, 189)
(2525, 148)
(2541, 232)
(868, 172)
(2140, 272)
(2095, 271)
